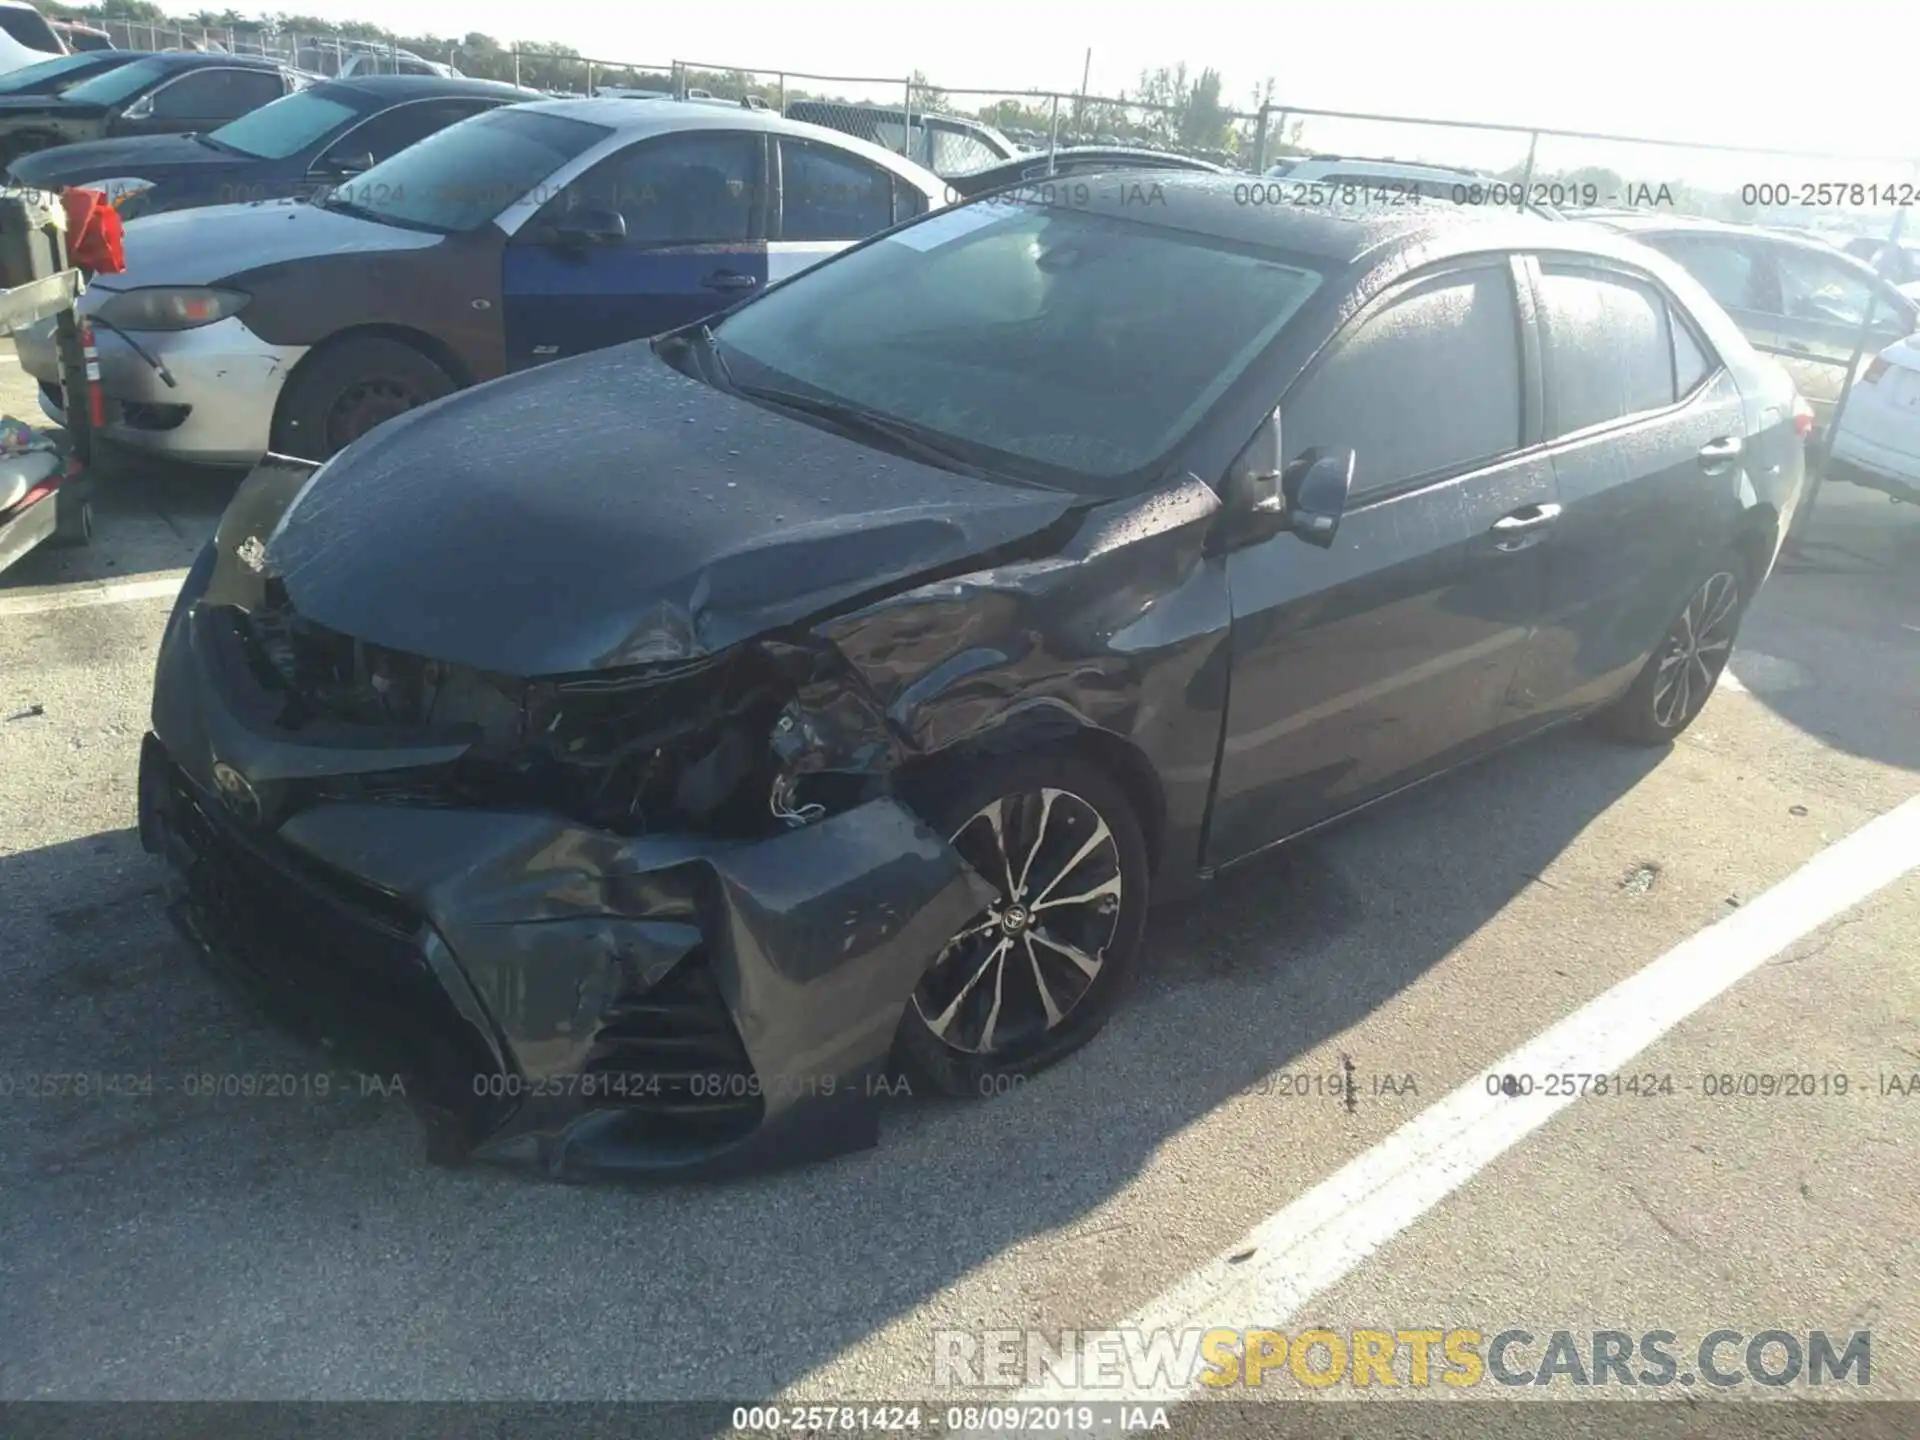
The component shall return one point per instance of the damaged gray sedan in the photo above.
(652, 754)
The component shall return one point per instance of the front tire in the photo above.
(1679, 676)
(349, 388)
(1034, 976)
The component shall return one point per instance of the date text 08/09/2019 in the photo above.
(1781, 1084)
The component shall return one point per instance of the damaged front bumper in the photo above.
(588, 1002)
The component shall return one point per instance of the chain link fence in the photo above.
(952, 130)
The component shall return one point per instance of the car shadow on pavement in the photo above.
(211, 1239)
(1832, 644)
(150, 516)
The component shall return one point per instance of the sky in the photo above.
(1702, 70)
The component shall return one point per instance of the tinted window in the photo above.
(1691, 364)
(686, 189)
(217, 94)
(30, 28)
(388, 134)
(1017, 331)
(1725, 271)
(1822, 290)
(461, 178)
(1429, 384)
(1607, 347)
(826, 194)
(285, 127)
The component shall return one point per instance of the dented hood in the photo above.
(608, 510)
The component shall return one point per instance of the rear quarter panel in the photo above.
(1769, 484)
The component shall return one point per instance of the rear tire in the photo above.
(349, 388)
(1680, 675)
(1034, 976)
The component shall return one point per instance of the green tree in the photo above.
(928, 97)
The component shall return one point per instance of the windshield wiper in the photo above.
(857, 420)
(712, 344)
(220, 145)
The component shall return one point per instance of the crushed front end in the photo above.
(659, 919)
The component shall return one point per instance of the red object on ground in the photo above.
(94, 233)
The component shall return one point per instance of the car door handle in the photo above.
(1716, 455)
(729, 280)
(1523, 527)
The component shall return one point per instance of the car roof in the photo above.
(1336, 235)
(194, 59)
(415, 87)
(1361, 164)
(1169, 159)
(1642, 225)
(632, 118)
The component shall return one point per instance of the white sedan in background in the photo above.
(1878, 441)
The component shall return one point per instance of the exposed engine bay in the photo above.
(723, 745)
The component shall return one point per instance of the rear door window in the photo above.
(1427, 386)
(1691, 362)
(217, 95)
(1730, 272)
(30, 28)
(1607, 344)
(827, 194)
(394, 130)
(1823, 291)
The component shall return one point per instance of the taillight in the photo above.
(1802, 417)
(1876, 367)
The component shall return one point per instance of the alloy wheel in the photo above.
(1016, 970)
(1696, 650)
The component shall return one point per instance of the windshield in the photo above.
(459, 179)
(118, 84)
(286, 126)
(1068, 347)
(35, 76)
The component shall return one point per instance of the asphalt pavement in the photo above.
(1314, 1008)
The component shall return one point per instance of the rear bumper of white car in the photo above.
(1878, 443)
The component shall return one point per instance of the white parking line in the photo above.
(1268, 1276)
(92, 592)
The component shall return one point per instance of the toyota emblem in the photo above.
(236, 793)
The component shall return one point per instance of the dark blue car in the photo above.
(292, 148)
(531, 233)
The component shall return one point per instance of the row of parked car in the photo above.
(391, 238)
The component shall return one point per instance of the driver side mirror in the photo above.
(345, 167)
(586, 229)
(141, 109)
(1315, 488)
(1261, 498)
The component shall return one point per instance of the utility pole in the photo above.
(1080, 105)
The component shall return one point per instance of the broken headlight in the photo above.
(761, 736)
